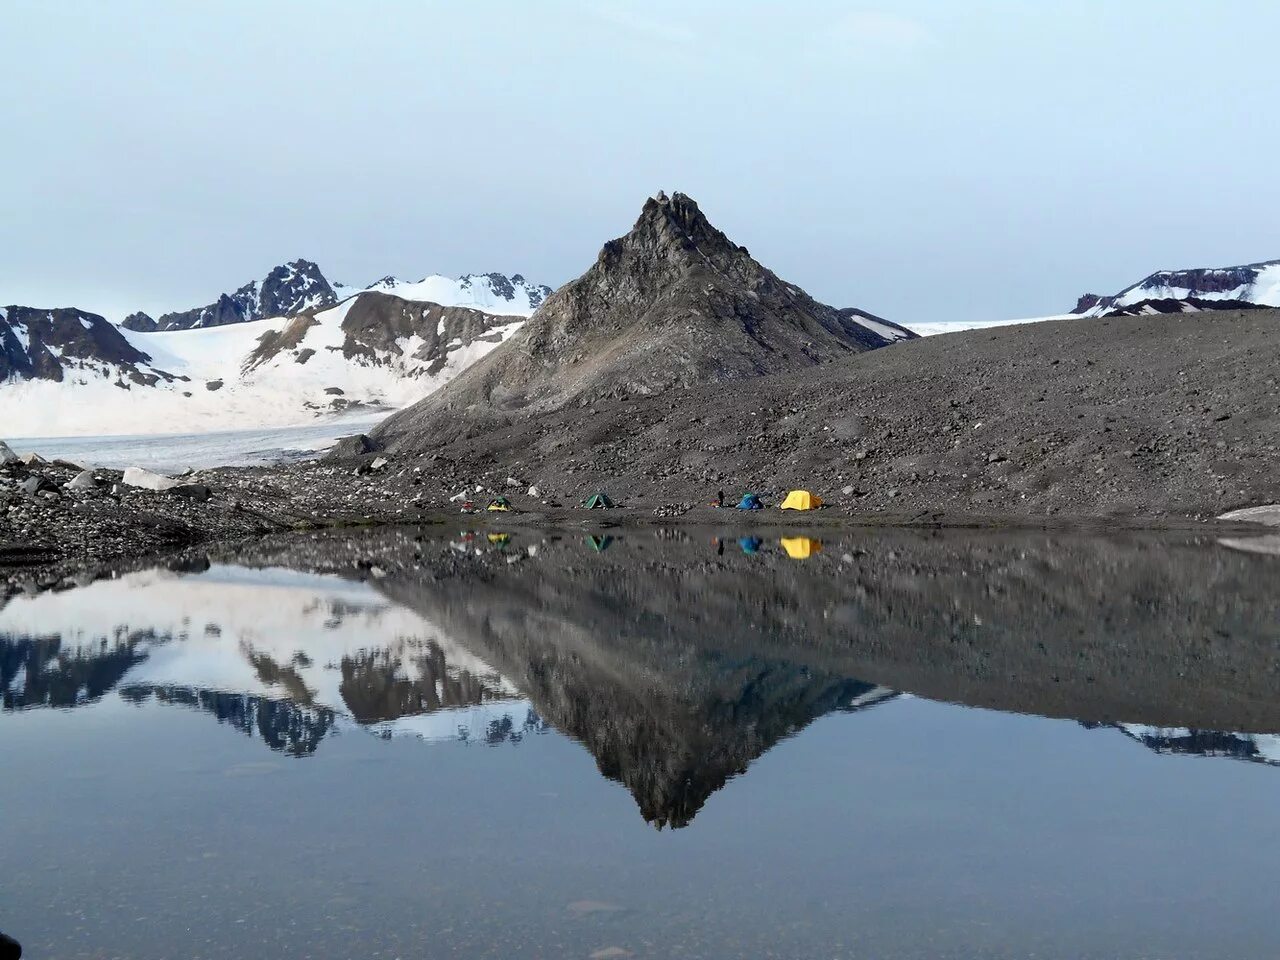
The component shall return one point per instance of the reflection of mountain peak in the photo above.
(39, 672)
(1254, 747)
(376, 685)
(671, 718)
(281, 724)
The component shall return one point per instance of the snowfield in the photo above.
(930, 329)
(475, 291)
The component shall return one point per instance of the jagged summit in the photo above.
(285, 291)
(673, 303)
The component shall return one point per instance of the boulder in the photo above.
(36, 484)
(84, 480)
(7, 455)
(33, 459)
(348, 447)
(534, 492)
(193, 491)
(378, 463)
(146, 480)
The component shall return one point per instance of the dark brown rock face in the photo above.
(672, 304)
(44, 344)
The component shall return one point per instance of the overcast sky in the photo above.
(925, 161)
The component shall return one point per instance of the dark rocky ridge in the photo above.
(52, 344)
(1166, 305)
(672, 304)
(1197, 282)
(287, 290)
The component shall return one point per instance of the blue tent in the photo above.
(750, 501)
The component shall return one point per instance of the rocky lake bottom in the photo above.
(608, 743)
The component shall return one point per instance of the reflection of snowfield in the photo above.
(237, 630)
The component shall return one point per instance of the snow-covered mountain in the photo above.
(287, 290)
(1189, 291)
(57, 346)
(68, 373)
(277, 352)
(299, 286)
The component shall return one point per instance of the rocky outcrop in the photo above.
(141, 322)
(380, 329)
(672, 304)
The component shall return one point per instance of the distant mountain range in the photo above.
(277, 351)
(672, 304)
(1242, 287)
(300, 287)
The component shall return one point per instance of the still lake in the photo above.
(605, 743)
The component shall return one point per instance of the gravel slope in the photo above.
(1138, 417)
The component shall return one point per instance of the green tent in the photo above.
(598, 501)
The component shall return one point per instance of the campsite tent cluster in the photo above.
(795, 500)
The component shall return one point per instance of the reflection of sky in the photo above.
(896, 828)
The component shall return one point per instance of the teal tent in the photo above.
(598, 501)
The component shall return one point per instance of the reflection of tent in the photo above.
(750, 501)
(499, 538)
(801, 500)
(500, 503)
(598, 501)
(801, 548)
(750, 545)
(599, 544)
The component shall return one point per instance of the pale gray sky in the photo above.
(922, 160)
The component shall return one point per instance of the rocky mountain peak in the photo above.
(674, 303)
(673, 229)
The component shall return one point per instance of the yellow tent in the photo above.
(801, 548)
(801, 500)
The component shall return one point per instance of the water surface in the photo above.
(510, 744)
